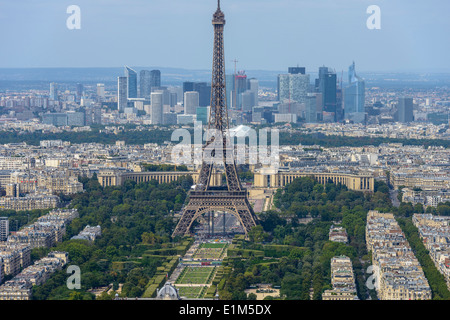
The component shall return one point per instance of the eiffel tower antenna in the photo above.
(231, 198)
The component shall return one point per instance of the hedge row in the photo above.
(124, 265)
(245, 253)
(172, 251)
(211, 292)
(155, 283)
(160, 277)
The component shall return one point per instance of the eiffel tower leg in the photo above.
(212, 223)
(185, 223)
(223, 223)
(209, 223)
(245, 214)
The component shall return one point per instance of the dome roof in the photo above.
(168, 292)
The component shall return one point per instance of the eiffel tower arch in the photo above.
(231, 198)
(216, 199)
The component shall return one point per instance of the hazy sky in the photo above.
(261, 34)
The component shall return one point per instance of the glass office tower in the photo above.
(144, 84)
(131, 82)
(354, 97)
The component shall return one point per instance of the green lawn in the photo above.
(191, 292)
(196, 275)
(214, 245)
(210, 251)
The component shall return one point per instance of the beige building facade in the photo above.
(117, 178)
(279, 179)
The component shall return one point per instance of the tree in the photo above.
(271, 219)
(148, 238)
(406, 209)
(251, 296)
(418, 208)
(443, 209)
(256, 234)
(291, 286)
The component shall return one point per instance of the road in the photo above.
(230, 223)
(393, 194)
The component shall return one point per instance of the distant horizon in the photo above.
(260, 34)
(432, 71)
(39, 77)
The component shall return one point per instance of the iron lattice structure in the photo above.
(231, 198)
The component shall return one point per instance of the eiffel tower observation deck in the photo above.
(231, 198)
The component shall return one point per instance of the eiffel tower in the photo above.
(205, 198)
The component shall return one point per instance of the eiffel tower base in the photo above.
(200, 202)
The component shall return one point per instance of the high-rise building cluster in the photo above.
(302, 97)
(242, 92)
(185, 104)
(327, 100)
(157, 102)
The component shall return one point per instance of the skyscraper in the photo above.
(340, 103)
(329, 92)
(253, 86)
(173, 99)
(293, 87)
(247, 100)
(203, 115)
(405, 110)
(145, 87)
(100, 91)
(203, 89)
(131, 82)
(311, 108)
(204, 93)
(188, 86)
(354, 97)
(156, 109)
(122, 93)
(53, 91)
(283, 87)
(327, 87)
(155, 78)
(80, 90)
(229, 81)
(240, 87)
(191, 102)
(297, 70)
